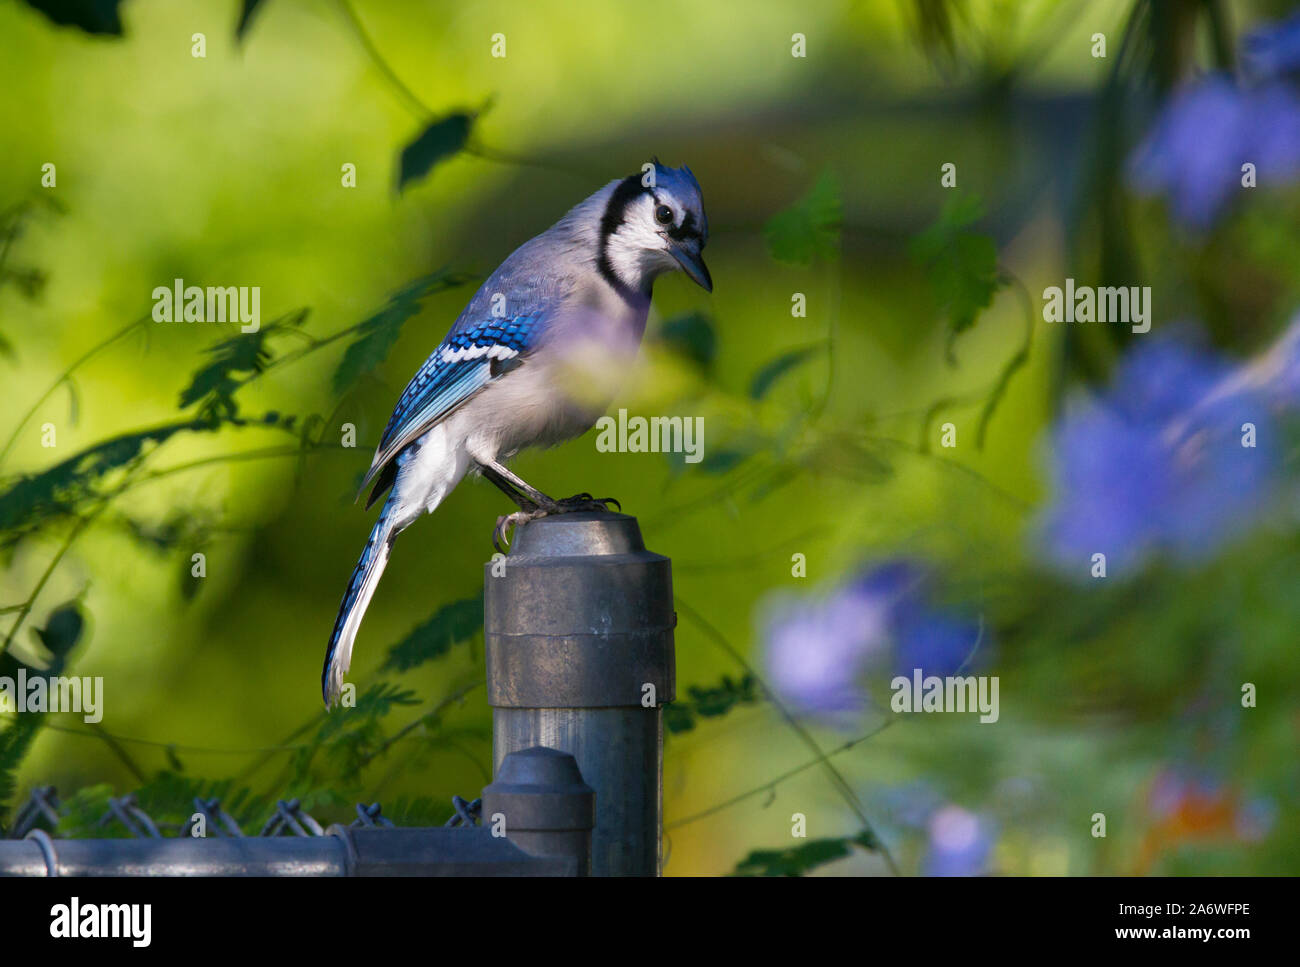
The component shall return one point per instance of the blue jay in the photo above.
(533, 360)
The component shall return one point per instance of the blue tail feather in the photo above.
(355, 601)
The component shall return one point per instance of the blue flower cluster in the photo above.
(819, 649)
(1213, 126)
(1179, 457)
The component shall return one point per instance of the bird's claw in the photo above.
(586, 502)
(500, 534)
(530, 512)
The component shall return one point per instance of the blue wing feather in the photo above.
(454, 372)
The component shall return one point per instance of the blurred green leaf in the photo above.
(962, 265)
(436, 143)
(349, 738)
(181, 526)
(92, 16)
(810, 228)
(32, 500)
(450, 624)
(681, 715)
(772, 371)
(63, 629)
(798, 860)
(14, 743)
(720, 460)
(61, 633)
(30, 282)
(215, 383)
(374, 703)
(247, 353)
(691, 335)
(79, 814)
(933, 22)
(380, 331)
(169, 798)
(247, 10)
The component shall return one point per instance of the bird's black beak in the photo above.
(689, 258)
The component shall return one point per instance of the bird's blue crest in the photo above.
(681, 182)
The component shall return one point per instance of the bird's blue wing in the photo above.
(472, 355)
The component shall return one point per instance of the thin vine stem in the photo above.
(836, 777)
(63, 378)
(772, 783)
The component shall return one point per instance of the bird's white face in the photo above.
(641, 246)
(659, 233)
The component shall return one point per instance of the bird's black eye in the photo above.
(664, 215)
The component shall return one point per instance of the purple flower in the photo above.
(1205, 133)
(817, 651)
(1158, 464)
(820, 649)
(1274, 49)
(936, 643)
(960, 844)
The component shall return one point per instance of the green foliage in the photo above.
(92, 16)
(62, 631)
(80, 813)
(379, 332)
(452, 623)
(723, 459)
(15, 741)
(701, 703)
(691, 335)
(962, 265)
(180, 528)
(29, 280)
(169, 797)
(244, 355)
(436, 143)
(772, 371)
(349, 738)
(800, 860)
(810, 228)
(34, 501)
(247, 9)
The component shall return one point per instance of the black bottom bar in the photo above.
(908, 916)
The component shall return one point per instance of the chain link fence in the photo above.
(41, 811)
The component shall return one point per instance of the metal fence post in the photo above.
(578, 622)
(544, 806)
